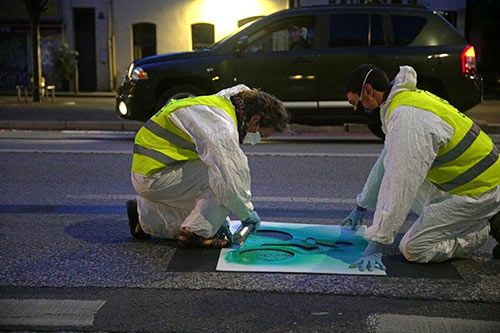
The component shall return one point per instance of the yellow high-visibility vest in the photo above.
(468, 164)
(159, 143)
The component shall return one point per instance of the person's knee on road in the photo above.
(414, 250)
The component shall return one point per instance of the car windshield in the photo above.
(232, 33)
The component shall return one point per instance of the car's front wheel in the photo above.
(178, 92)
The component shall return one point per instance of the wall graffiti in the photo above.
(13, 61)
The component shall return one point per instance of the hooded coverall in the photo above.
(210, 178)
(450, 223)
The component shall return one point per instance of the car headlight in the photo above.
(130, 68)
(138, 74)
(122, 107)
(135, 73)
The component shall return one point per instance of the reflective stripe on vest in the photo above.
(471, 173)
(468, 164)
(155, 155)
(169, 136)
(460, 148)
(160, 143)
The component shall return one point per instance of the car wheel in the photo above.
(377, 130)
(375, 124)
(178, 92)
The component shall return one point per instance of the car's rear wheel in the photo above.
(178, 92)
(375, 124)
(377, 130)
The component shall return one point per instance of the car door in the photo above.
(353, 39)
(277, 65)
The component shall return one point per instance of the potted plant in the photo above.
(64, 63)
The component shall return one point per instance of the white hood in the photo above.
(406, 79)
(228, 92)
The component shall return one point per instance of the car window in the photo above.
(285, 35)
(406, 28)
(246, 25)
(348, 30)
(377, 30)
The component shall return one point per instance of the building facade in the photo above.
(109, 34)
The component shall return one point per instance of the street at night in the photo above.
(65, 237)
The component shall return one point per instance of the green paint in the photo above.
(309, 246)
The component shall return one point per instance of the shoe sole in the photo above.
(496, 251)
(187, 239)
(133, 220)
(495, 227)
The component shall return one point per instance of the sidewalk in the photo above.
(95, 111)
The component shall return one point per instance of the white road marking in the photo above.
(282, 154)
(128, 152)
(388, 323)
(65, 151)
(257, 198)
(48, 312)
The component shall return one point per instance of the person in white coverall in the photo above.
(189, 171)
(435, 162)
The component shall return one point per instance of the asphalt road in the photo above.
(69, 263)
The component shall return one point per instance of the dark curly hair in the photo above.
(272, 111)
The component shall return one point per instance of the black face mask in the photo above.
(364, 111)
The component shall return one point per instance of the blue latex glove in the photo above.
(354, 219)
(225, 230)
(253, 219)
(371, 259)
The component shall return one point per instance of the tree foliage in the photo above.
(64, 61)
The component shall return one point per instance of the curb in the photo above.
(127, 125)
(70, 125)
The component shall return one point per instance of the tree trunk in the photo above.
(35, 8)
(37, 68)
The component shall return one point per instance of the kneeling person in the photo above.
(188, 168)
(436, 163)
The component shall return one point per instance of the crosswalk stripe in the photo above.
(389, 323)
(48, 312)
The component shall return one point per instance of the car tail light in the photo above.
(469, 61)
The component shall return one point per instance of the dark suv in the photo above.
(302, 56)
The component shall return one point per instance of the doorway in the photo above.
(84, 27)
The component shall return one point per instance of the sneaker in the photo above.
(133, 221)
(495, 233)
(188, 239)
(496, 251)
(495, 226)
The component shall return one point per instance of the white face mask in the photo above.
(252, 138)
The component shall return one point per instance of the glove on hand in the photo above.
(371, 259)
(225, 230)
(354, 219)
(253, 219)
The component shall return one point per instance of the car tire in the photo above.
(375, 124)
(377, 130)
(178, 92)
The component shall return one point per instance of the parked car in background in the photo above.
(307, 75)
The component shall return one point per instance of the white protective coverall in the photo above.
(448, 225)
(198, 194)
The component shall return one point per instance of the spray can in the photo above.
(241, 235)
